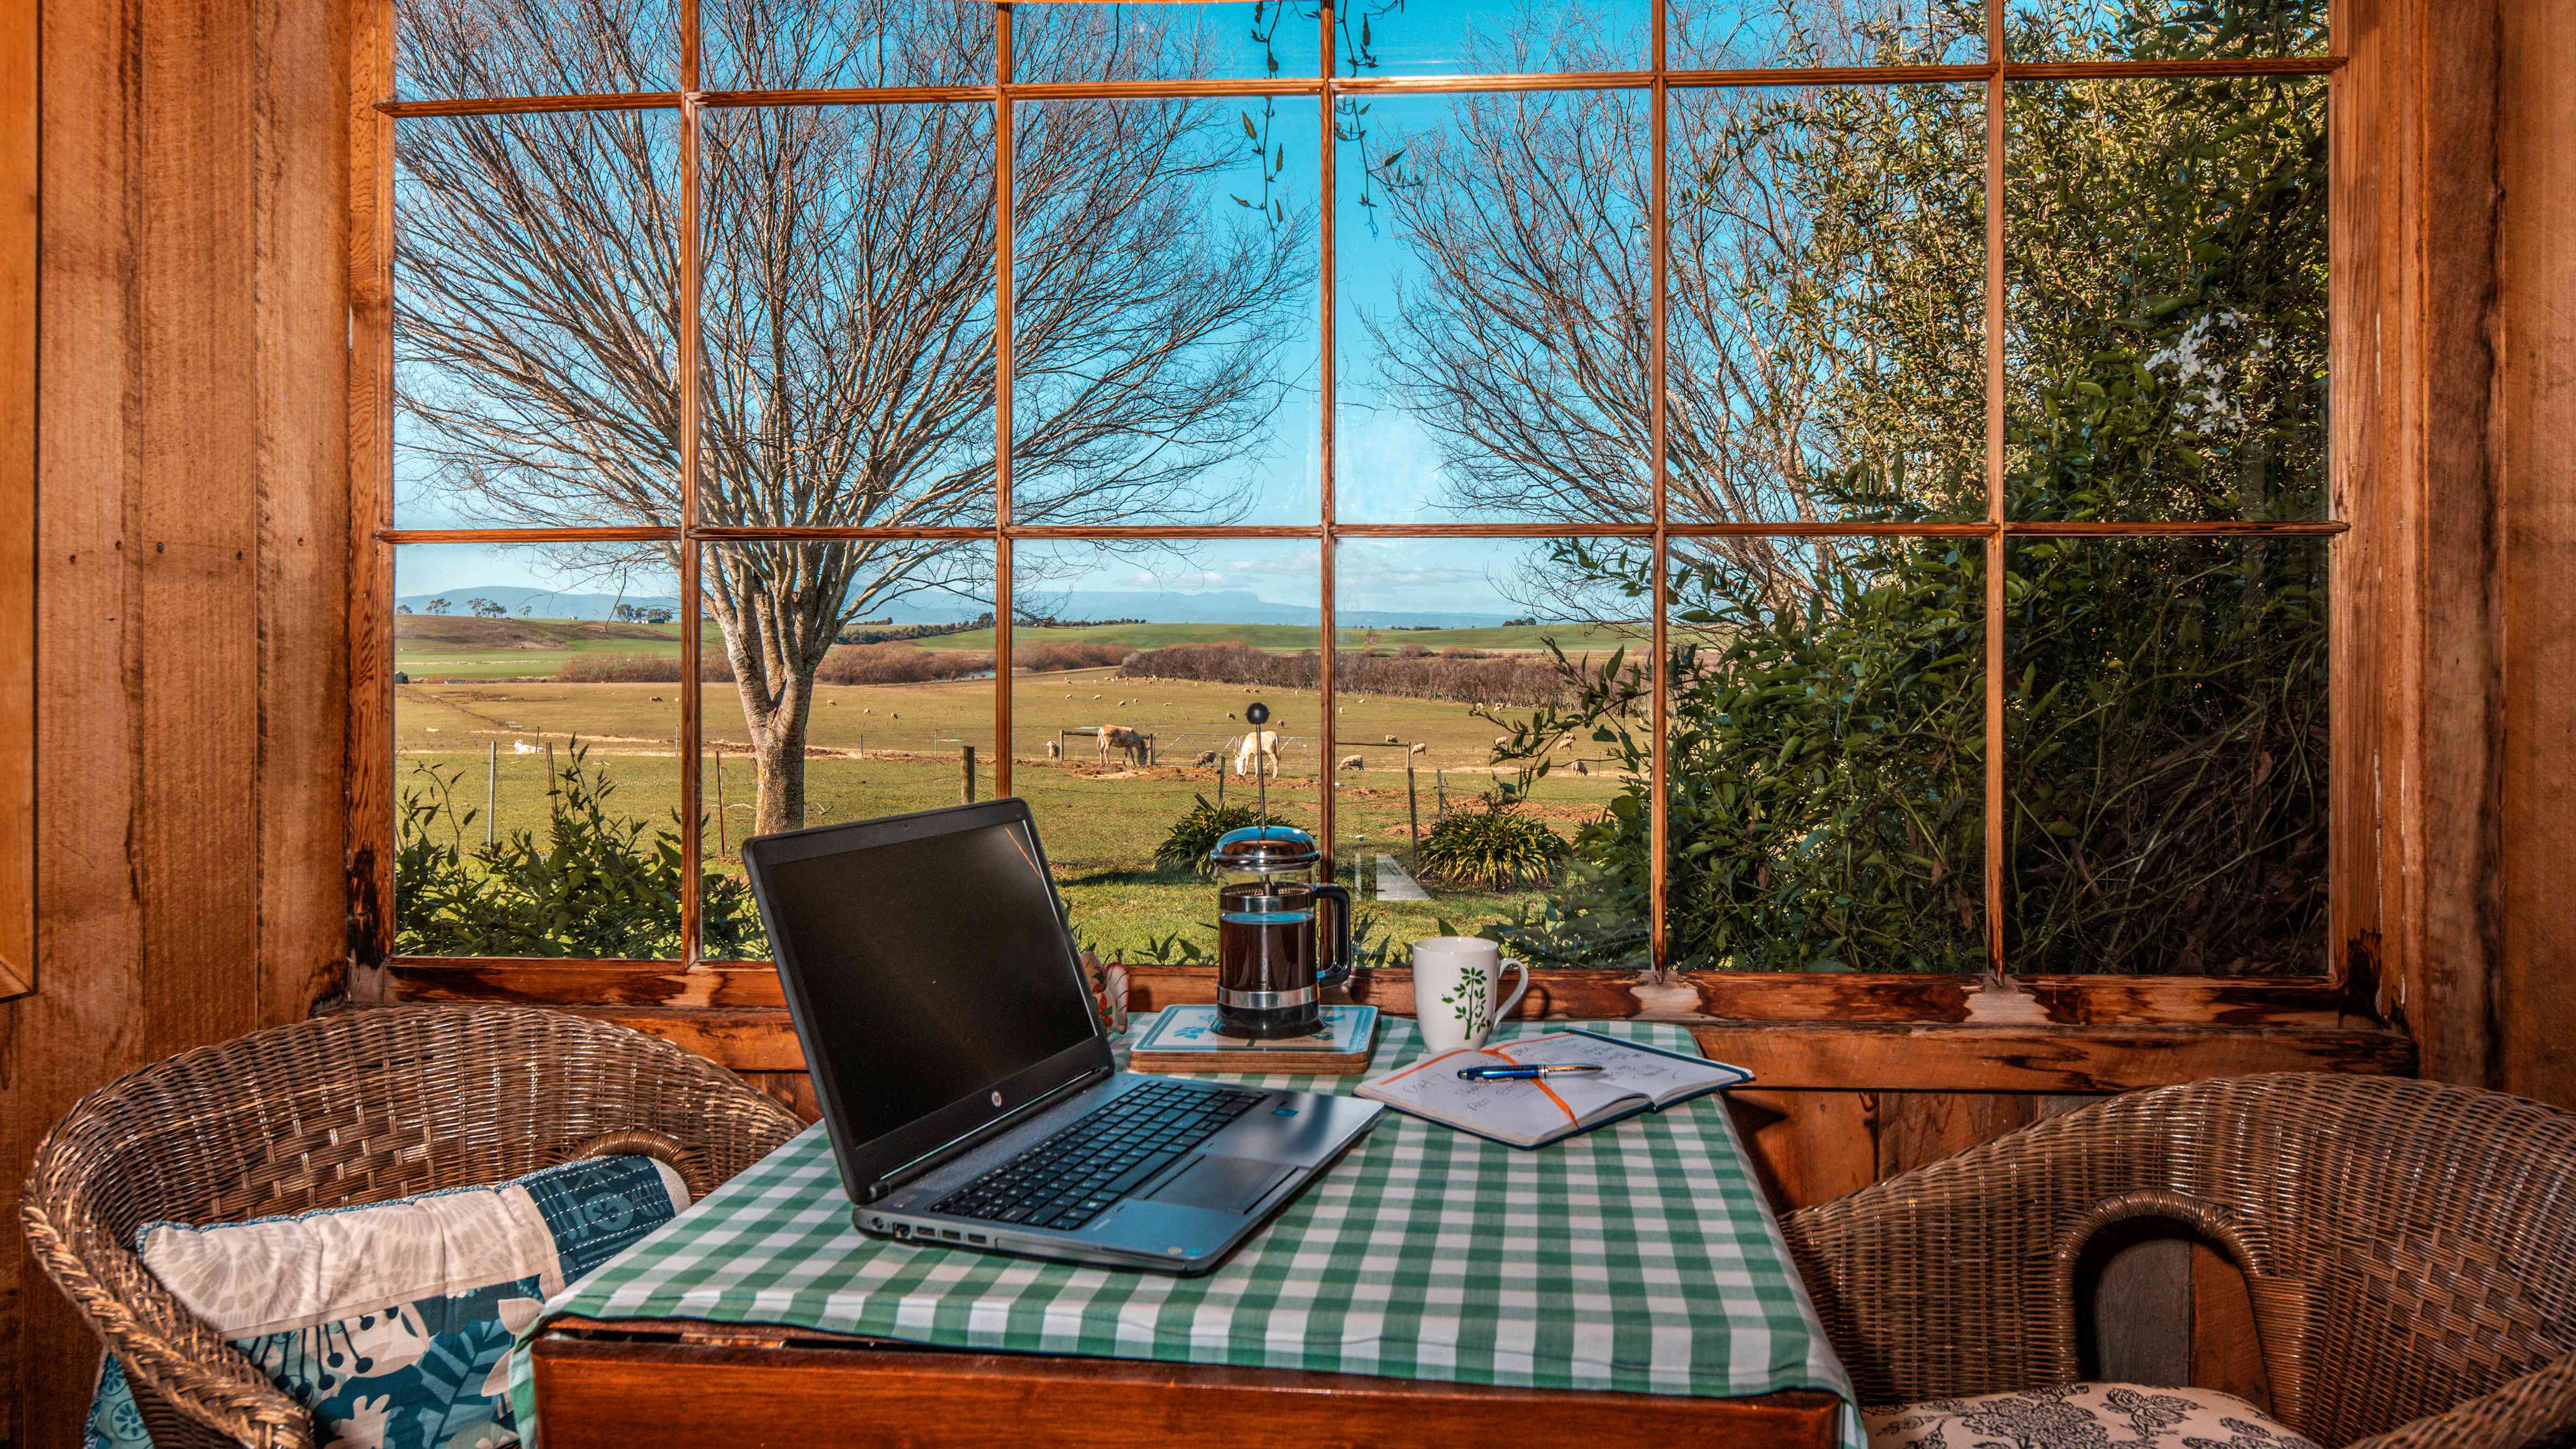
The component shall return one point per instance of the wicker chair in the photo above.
(356, 1107)
(2410, 1250)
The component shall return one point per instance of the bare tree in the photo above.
(847, 316)
(1521, 334)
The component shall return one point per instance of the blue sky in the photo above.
(1390, 466)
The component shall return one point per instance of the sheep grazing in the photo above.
(1419, 748)
(1390, 739)
(1259, 751)
(1502, 742)
(1206, 757)
(1055, 749)
(1579, 768)
(1353, 762)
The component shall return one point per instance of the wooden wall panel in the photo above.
(2536, 437)
(191, 548)
(18, 174)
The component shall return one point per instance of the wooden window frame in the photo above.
(713, 1004)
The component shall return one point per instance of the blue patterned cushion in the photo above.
(393, 1321)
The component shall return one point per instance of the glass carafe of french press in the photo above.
(1271, 962)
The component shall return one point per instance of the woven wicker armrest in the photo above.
(1939, 1283)
(2535, 1409)
(165, 1348)
(359, 1106)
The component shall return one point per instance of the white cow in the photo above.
(1259, 750)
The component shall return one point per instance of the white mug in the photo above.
(1454, 981)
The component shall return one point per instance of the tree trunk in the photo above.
(778, 750)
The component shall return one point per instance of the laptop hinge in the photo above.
(932, 1159)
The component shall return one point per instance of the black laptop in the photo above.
(967, 1080)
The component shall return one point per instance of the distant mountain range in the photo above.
(1228, 606)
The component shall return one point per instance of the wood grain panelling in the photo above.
(17, 499)
(2537, 447)
(192, 548)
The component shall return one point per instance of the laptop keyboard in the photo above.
(1081, 1172)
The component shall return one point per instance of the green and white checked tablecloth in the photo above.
(1640, 1256)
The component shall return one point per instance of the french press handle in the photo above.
(1340, 970)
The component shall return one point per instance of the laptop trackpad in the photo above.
(1226, 1184)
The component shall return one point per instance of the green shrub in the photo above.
(594, 887)
(1197, 832)
(1495, 848)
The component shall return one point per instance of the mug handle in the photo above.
(1503, 1013)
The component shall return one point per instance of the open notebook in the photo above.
(1535, 1113)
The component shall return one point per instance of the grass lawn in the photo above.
(881, 749)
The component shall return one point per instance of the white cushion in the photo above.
(2083, 1416)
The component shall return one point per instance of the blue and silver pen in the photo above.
(1524, 1074)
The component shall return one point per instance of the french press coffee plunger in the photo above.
(1270, 968)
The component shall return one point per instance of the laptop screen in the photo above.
(933, 969)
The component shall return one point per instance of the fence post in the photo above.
(554, 806)
(1440, 783)
(1412, 802)
(720, 810)
(491, 787)
(1220, 779)
(969, 753)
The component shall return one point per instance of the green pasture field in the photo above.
(443, 646)
(881, 749)
(447, 647)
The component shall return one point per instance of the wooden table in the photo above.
(614, 1384)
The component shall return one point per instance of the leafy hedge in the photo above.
(595, 886)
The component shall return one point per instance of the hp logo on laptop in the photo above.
(997, 1099)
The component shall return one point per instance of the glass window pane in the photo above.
(1827, 789)
(1159, 40)
(1162, 647)
(1166, 313)
(2165, 272)
(765, 45)
(1494, 278)
(1491, 37)
(1826, 341)
(1762, 34)
(847, 317)
(474, 49)
(536, 359)
(842, 681)
(1488, 785)
(2166, 755)
(2046, 30)
(535, 772)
